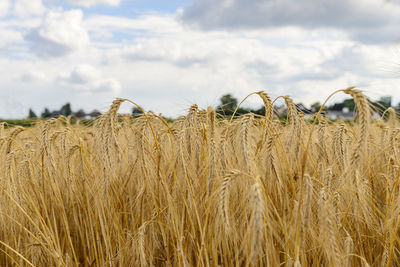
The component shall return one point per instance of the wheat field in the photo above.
(202, 190)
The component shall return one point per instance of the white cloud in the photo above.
(166, 66)
(25, 8)
(187, 65)
(89, 3)
(60, 34)
(363, 20)
(104, 27)
(107, 85)
(83, 74)
(87, 78)
(33, 76)
(9, 37)
(4, 7)
(289, 51)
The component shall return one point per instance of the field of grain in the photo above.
(202, 191)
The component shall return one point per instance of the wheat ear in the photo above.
(224, 198)
(257, 221)
(364, 121)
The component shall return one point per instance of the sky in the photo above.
(166, 55)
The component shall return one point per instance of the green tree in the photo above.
(315, 106)
(66, 109)
(32, 114)
(260, 111)
(228, 105)
(46, 113)
(80, 114)
(136, 112)
(349, 103)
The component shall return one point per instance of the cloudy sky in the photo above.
(169, 54)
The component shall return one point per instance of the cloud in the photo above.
(86, 78)
(59, 34)
(156, 55)
(161, 50)
(25, 8)
(4, 7)
(9, 37)
(364, 20)
(192, 63)
(83, 74)
(33, 76)
(111, 26)
(89, 3)
(264, 51)
(107, 85)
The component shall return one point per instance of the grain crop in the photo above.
(203, 190)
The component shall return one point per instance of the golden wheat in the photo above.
(202, 190)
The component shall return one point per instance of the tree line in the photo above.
(65, 110)
(228, 104)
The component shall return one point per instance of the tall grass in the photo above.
(202, 191)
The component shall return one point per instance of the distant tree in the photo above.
(95, 114)
(315, 106)
(260, 111)
(349, 103)
(80, 114)
(397, 107)
(382, 104)
(228, 105)
(46, 113)
(337, 107)
(66, 110)
(136, 112)
(302, 108)
(386, 101)
(32, 114)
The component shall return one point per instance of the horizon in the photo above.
(168, 55)
(380, 106)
